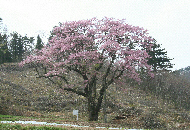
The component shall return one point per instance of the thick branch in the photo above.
(116, 77)
(105, 86)
(79, 72)
(101, 59)
(100, 97)
(109, 67)
(82, 74)
(75, 91)
(62, 77)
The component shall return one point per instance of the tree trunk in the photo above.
(92, 110)
(93, 114)
(94, 107)
(94, 103)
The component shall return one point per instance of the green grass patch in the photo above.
(15, 118)
(10, 127)
(19, 127)
(9, 118)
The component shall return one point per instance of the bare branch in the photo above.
(116, 77)
(79, 72)
(75, 91)
(62, 77)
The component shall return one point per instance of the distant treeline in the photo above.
(15, 48)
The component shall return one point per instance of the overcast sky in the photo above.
(168, 21)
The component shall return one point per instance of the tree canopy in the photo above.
(158, 58)
(20, 46)
(99, 52)
(5, 55)
(39, 43)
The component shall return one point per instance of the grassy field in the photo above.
(22, 127)
(25, 97)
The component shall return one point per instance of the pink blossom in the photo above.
(86, 44)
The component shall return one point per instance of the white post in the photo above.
(75, 112)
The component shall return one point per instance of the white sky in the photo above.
(168, 21)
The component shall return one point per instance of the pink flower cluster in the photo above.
(89, 43)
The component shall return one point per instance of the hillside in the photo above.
(21, 93)
(185, 72)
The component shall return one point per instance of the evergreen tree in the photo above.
(28, 45)
(17, 47)
(20, 46)
(39, 44)
(159, 59)
(5, 55)
(0, 23)
(3, 28)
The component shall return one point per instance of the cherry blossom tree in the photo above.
(98, 52)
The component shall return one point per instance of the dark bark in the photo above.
(93, 106)
(91, 96)
(92, 111)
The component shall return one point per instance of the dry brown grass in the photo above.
(21, 93)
